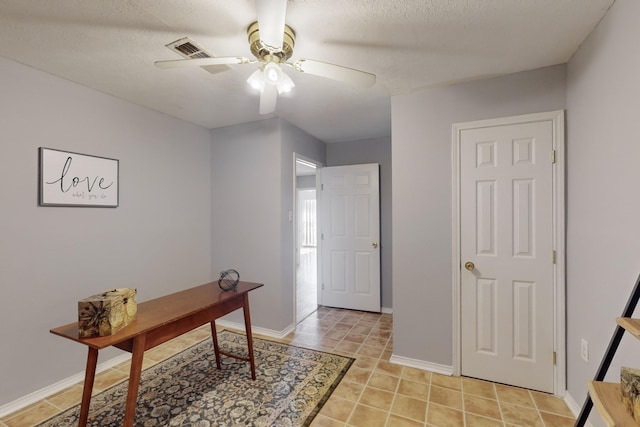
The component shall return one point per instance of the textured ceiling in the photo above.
(111, 45)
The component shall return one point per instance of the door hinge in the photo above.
(321, 187)
(554, 257)
(554, 357)
(553, 156)
(323, 286)
(321, 236)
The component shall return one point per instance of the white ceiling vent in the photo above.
(190, 50)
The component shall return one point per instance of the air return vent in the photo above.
(190, 50)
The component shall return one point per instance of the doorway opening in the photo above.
(306, 235)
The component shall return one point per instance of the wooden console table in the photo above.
(158, 321)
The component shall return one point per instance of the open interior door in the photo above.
(350, 237)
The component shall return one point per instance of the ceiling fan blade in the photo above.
(268, 99)
(271, 17)
(199, 62)
(336, 72)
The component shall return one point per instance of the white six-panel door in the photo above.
(506, 252)
(350, 237)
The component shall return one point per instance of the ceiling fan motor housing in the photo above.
(263, 52)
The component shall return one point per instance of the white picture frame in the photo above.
(73, 179)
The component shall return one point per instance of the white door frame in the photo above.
(294, 221)
(557, 119)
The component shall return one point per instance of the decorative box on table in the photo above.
(107, 312)
(630, 391)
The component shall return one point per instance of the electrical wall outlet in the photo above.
(584, 350)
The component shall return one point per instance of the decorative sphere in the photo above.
(229, 280)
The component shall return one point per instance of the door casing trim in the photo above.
(558, 195)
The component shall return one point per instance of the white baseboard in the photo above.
(387, 310)
(257, 330)
(574, 407)
(421, 364)
(43, 393)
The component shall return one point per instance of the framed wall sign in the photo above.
(73, 179)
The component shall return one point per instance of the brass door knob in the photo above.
(469, 265)
(374, 244)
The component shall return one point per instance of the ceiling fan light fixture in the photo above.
(257, 80)
(286, 84)
(273, 73)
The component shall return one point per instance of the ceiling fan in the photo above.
(271, 41)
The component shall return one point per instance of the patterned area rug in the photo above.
(291, 385)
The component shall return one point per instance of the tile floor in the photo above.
(373, 393)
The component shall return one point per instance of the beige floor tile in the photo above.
(375, 342)
(358, 375)
(384, 382)
(355, 338)
(442, 416)
(365, 416)
(380, 333)
(125, 367)
(322, 421)
(350, 348)
(520, 415)
(549, 403)
(479, 388)
(362, 330)
(108, 378)
(445, 397)
(409, 407)
(366, 350)
(348, 390)
(555, 420)
(454, 383)
(478, 421)
(388, 368)
(161, 352)
(517, 396)
(365, 362)
(413, 374)
(343, 327)
(67, 398)
(480, 406)
(377, 398)
(398, 421)
(414, 389)
(338, 409)
(31, 415)
(328, 342)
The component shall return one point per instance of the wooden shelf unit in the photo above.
(630, 325)
(607, 396)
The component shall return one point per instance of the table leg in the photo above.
(216, 349)
(89, 376)
(137, 354)
(247, 327)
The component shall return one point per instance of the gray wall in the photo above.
(373, 151)
(157, 240)
(421, 151)
(603, 249)
(252, 189)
